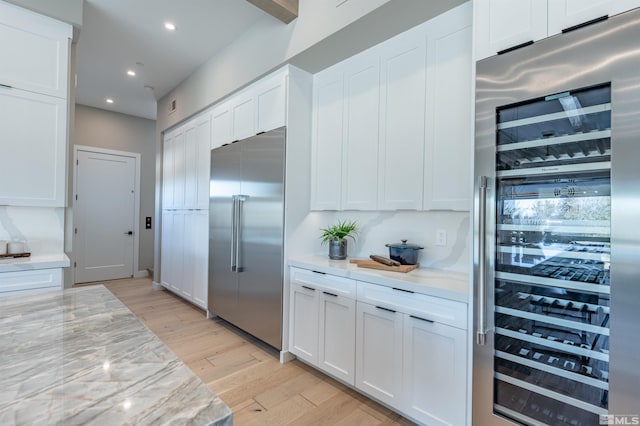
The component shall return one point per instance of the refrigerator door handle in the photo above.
(240, 200)
(481, 335)
(234, 209)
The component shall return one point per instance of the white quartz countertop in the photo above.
(432, 282)
(43, 261)
(80, 357)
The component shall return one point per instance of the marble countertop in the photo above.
(433, 282)
(43, 261)
(80, 356)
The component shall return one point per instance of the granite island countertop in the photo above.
(80, 356)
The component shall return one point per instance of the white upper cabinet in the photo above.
(186, 158)
(35, 51)
(502, 24)
(389, 123)
(258, 108)
(243, 115)
(270, 95)
(326, 140)
(449, 130)
(33, 149)
(402, 106)
(567, 13)
(221, 128)
(34, 74)
(360, 133)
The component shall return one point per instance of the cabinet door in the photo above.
(203, 138)
(177, 256)
(190, 165)
(270, 98)
(168, 173)
(402, 107)
(30, 282)
(304, 322)
(448, 138)
(188, 253)
(201, 258)
(326, 140)
(337, 336)
(379, 353)
(179, 169)
(243, 115)
(35, 51)
(33, 147)
(567, 13)
(167, 251)
(222, 129)
(360, 132)
(435, 360)
(501, 24)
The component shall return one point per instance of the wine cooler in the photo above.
(557, 246)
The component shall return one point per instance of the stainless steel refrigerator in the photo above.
(556, 234)
(246, 219)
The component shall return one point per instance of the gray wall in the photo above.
(109, 130)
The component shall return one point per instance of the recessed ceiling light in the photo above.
(170, 26)
(109, 100)
(132, 73)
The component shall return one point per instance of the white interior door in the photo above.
(104, 216)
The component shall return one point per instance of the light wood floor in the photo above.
(245, 373)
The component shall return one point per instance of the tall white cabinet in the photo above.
(33, 108)
(390, 122)
(184, 246)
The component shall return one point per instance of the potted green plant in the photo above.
(336, 236)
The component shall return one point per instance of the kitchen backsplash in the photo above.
(380, 228)
(42, 228)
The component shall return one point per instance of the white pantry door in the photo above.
(104, 216)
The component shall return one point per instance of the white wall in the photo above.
(105, 129)
(64, 10)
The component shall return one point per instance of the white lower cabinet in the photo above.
(184, 254)
(434, 371)
(405, 349)
(337, 335)
(379, 353)
(323, 317)
(29, 282)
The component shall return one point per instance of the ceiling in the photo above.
(122, 35)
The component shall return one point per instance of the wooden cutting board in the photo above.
(372, 264)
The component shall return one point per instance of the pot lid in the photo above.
(403, 245)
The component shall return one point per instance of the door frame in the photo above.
(136, 223)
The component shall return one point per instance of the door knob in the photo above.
(128, 233)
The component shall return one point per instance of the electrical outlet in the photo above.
(441, 237)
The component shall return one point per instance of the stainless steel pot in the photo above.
(406, 254)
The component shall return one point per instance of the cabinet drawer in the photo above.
(23, 282)
(339, 285)
(422, 306)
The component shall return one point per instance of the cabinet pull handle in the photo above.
(330, 294)
(481, 333)
(584, 24)
(6, 85)
(318, 272)
(400, 289)
(519, 46)
(385, 309)
(422, 319)
(309, 288)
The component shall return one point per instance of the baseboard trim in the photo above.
(286, 356)
(156, 286)
(141, 274)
